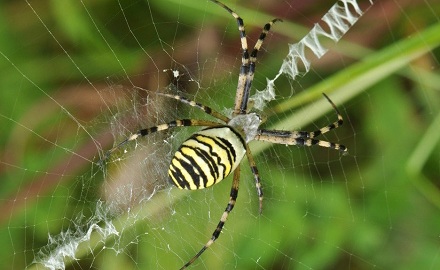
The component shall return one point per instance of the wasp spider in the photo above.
(210, 155)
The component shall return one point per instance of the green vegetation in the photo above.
(66, 70)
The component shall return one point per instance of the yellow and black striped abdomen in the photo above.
(207, 157)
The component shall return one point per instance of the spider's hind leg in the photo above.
(257, 178)
(224, 217)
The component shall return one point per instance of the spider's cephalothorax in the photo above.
(210, 155)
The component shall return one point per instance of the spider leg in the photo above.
(304, 137)
(253, 59)
(292, 138)
(161, 127)
(331, 126)
(244, 59)
(257, 179)
(244, 46)
(224, 217)
(206, 109)
(248, 65)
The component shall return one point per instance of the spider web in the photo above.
(80, 76)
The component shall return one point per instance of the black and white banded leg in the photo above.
(304, 138)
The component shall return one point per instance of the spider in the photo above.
(211, 154)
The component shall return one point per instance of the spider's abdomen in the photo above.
(207, 157)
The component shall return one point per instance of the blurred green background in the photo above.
(67, 72)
